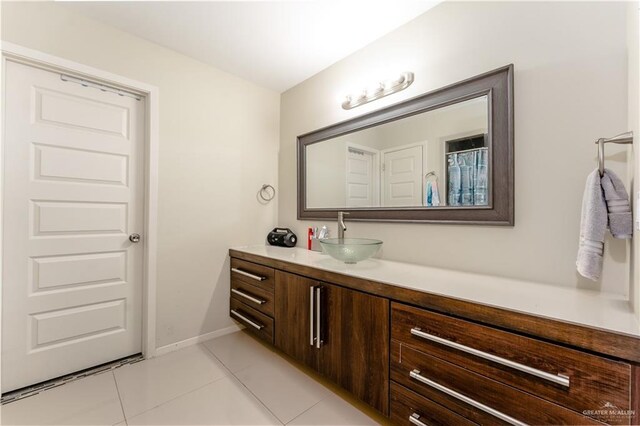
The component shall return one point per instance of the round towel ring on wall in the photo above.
(267, 192)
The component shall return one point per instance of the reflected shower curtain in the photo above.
(467, 177)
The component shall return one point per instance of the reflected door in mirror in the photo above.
(362, 177)
(408, 162)
(402, 171)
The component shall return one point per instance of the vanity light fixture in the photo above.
(378, 91)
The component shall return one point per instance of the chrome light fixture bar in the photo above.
(383, 89)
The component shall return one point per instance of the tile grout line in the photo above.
(230, 374)
(175, 397)
(119, 397)
(324, 399)
(264, 404)
(329, 391)
(329, 394)
(245, 386)
(293, 419)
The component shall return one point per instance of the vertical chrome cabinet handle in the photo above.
(247, 320)
(311, 305)
(247, 274)
(415, 374)
(318, 317)
(415, 419)
(558, 379)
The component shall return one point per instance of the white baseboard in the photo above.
(195, 340)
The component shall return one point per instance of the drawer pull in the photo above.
(247, 320)
(318, 317)
(247, 274)
(248, 297)
(415, 419)
(415, 374)
(557, 379)
(312, 338)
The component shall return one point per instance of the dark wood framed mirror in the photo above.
(442, 157)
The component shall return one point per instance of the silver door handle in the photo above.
(415, 419)
(318, 317)
(311, 306)
(558, 379)
(247, 320)
(247, 274)
(248, 297)
(415, 374)
(134, 238)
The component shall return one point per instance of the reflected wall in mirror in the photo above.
(434, 159)
(445, 157)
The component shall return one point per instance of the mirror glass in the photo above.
(438, 158)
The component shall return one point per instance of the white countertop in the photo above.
(606, 311)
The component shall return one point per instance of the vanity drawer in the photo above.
(253, 320)
(573, 379)
(252, 273)
(476, 397)
(409, 408)
(253, 296)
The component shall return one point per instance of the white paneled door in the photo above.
(73, 196)
(361, 174)
(402, 176)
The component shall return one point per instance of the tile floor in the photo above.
(231, 380)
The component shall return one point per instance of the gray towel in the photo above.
(592, 229)
(605, 202)
(617, 200)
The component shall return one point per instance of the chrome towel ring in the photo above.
(623, 138)
(267, 192)
(601, 156)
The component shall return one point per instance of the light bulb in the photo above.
(359, 96)
(375, 90)
(395, 82)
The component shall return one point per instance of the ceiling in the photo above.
(276, 44)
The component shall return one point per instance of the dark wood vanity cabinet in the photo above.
(355, 348)
(421, 359)
(252, 297)
(567, 377)
(294, 316)
(341, 333)
(493, 376)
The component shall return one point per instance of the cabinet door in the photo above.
(355, 343)
(293, 322)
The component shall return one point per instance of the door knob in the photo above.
(134, 238)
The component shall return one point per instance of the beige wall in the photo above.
(218, 144)
(570, 88)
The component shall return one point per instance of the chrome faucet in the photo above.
(341, 226)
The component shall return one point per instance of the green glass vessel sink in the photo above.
(350, 250)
